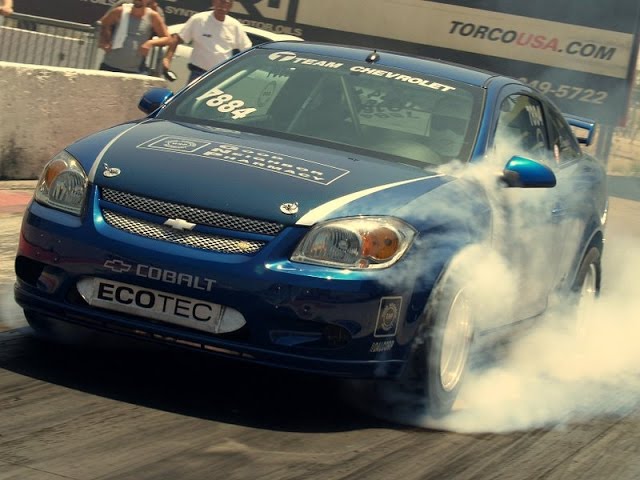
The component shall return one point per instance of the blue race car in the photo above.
(330, 209)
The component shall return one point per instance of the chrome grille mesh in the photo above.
(191, 214)
(187, 238)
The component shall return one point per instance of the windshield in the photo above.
(382, 111)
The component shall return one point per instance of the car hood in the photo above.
(248, 174)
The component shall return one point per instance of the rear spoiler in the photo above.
(583, 128)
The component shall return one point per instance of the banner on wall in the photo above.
(582, 56)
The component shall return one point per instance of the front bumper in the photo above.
(101, 321)
(298, 317)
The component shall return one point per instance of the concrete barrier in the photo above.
(43, 109)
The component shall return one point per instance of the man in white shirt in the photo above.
(214, 36)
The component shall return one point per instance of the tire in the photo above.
(586, 289)
(61, 333)
(589, 276)
(41, 327)
(440, 355)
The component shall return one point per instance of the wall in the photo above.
(43, 109)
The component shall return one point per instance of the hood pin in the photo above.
(110, 171)
(289, 208)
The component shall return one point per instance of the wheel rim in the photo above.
(586, 299)
(455, 343)
(589, 289)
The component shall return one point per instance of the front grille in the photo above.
(188, 238)
(191, 214)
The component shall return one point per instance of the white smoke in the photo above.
(553, 375)
(10, 314)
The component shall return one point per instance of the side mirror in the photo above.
(583, 128)
(523, 172)
(153, 99)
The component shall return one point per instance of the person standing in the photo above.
(214, 35)
(126, 36)
(152, 4)
(6, 9)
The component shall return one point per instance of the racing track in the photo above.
(152, 414)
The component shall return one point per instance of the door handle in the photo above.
(558, 211)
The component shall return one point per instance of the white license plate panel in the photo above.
(159, 305)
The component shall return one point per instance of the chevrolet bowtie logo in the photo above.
(179, 224)
(117, 266)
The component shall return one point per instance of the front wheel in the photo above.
(439, 357)
(586, 289)
(55, 332)
(69, 335)
(589, 276)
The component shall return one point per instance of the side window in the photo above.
(565, 145)
(520, 129)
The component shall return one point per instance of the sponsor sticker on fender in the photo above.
(388, 317)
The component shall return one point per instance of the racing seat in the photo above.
(325, 114)
(448, 125)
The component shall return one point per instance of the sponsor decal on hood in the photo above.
(250, 157)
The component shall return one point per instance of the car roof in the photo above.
(177, 27)
(387, 58)
(270, 35)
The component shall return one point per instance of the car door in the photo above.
(574, 186)
(526, 228)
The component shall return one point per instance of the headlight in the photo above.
(62, 184)
(358, 243)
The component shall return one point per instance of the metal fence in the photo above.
(45, 41)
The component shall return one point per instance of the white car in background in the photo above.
(183, 51)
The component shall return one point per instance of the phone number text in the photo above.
(587, 95)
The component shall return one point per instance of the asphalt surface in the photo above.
(128, 412)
